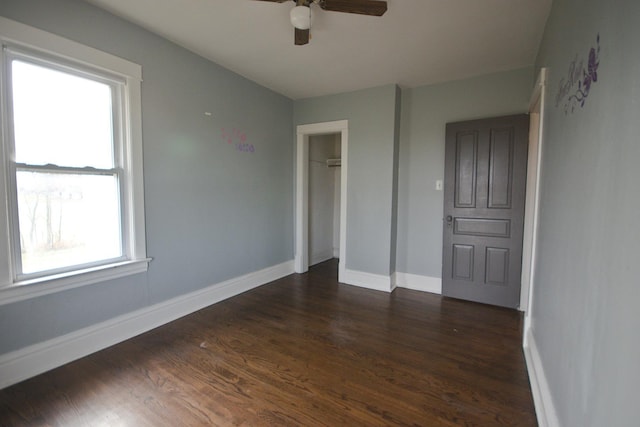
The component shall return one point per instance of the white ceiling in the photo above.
(417, 42)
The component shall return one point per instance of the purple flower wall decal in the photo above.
(580, 76)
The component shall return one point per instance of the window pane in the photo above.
(60, 118)
(67, 219)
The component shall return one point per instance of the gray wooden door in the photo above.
(485, 178)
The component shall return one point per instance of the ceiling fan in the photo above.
(301, 14)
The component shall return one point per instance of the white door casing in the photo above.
(301, 259)
(532, 208)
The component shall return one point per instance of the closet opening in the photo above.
(324, 197)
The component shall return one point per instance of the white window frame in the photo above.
(15, 36)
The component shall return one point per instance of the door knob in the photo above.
(449, 218)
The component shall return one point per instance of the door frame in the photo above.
(532, 207)
(303, 132)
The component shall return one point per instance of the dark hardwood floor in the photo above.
(302, 350)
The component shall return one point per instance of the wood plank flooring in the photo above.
(300, 351)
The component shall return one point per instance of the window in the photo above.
(71, 164)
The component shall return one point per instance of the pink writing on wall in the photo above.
(238, 139)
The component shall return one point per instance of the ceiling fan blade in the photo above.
(362, 7)
(301, 37)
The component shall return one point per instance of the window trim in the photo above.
(21, 37)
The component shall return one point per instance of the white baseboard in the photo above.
(545, 409)
(376, 282)
(388, 284)
(27, 362)
(418, 283)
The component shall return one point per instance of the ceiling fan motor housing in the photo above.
(301, 17)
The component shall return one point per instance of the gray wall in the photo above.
(212, 213)
(585, 314)
(371, 115)
(425, 112)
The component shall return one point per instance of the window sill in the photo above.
(32, 288)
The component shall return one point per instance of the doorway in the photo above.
(304, 132)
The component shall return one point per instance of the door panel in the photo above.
(466, 161)
(485, 178)
(497, 266)
(463, 262)
(482, 227)
(500, 168)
